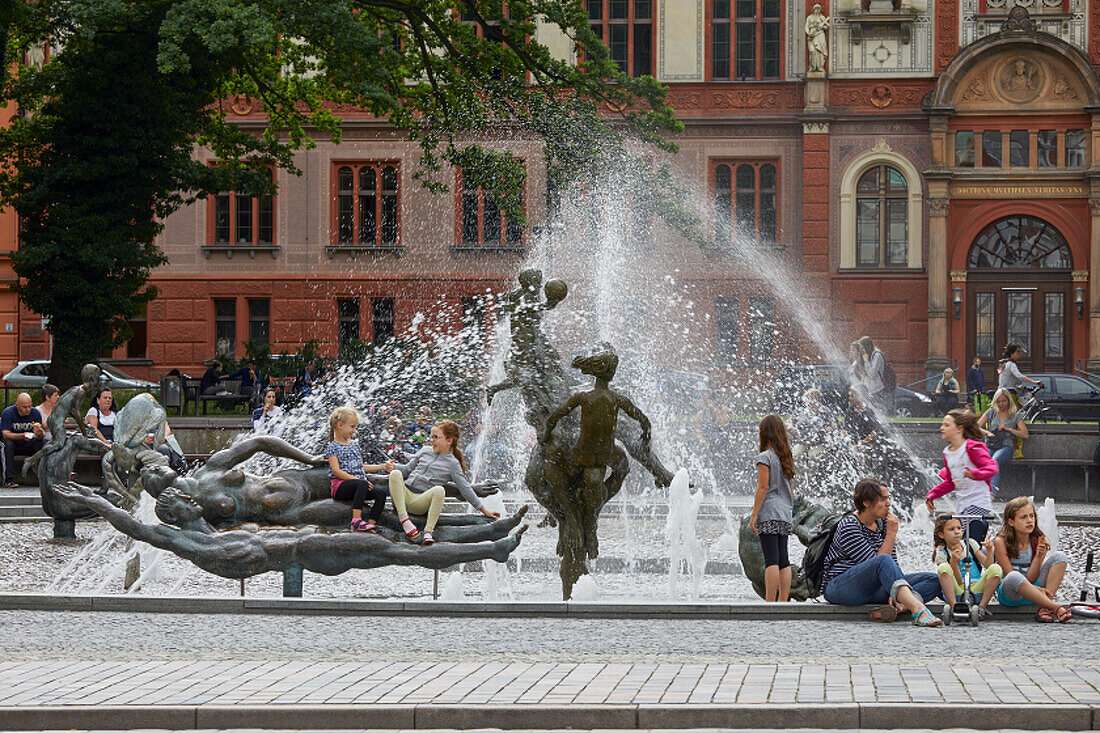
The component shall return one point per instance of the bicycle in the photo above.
(1033, 409)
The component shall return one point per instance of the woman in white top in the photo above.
(1008, 372)
(101, 416)
(266, 419)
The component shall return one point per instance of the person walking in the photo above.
(975, 385)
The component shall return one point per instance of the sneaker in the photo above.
(10, 485)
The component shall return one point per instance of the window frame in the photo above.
(882, 197)
(758, 21)
(848, 210)
(357, 166)
(255, 319)
(605, 23)
(502, 244)
(231, 320)
(376, 305)
(758, 192)
(341, 320)
(232, 198)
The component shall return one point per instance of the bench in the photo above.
(232, 387)
(1034, 464)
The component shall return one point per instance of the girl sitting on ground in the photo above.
(417, 486)
(953, 559)
(772, 507)
(348, 473)
(967, 468)
(1032, 571)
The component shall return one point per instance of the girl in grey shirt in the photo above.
(773, 506)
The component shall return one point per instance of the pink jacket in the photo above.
(985, 469)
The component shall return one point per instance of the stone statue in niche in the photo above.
(817, 44)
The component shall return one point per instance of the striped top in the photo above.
(853, 543)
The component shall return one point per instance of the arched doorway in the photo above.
(1020, 283)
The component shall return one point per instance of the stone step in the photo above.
(24, 511)
(21, 498)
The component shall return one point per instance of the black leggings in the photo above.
(359, 490)
(775, 550)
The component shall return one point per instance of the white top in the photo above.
(968, 492)
(105, 418)
(1010, 376)
(269, 423)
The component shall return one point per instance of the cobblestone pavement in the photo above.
(168, 659)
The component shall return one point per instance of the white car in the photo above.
(32, 375)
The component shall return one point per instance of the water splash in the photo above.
(684, 547)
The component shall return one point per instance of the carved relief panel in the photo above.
(863, 44)
(1008, 81)
(1047, 14)
(680, 40)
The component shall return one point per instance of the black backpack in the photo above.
(889, 378)
(813, 562)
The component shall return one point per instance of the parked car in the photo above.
(909, 403)
(1070, 396)
(832, 380)
(32, 375)
(793, 381)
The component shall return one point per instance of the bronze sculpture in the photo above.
(54, 463)
(252, 549)
(808, 517)
(564, 471)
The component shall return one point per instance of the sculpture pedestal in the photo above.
(64, 529)
(292, 582)
(816, 93)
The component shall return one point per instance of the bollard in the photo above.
(292, 582)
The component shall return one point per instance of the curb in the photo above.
(745, 611)
(1071, 717)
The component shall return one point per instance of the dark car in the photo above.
(908, 403)
(1069, 396)
(793, 381)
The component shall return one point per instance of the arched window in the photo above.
(1020, 242)
(882, 231)
(881, 212)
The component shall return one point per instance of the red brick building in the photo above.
(937, 187)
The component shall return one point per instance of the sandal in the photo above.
(428, 539)
(925, 618)
(984, 614)
(1062, 614)
(1044, 616)
(410, 529)
(884, 614)
(361, 525)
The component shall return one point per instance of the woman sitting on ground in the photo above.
(861, 565)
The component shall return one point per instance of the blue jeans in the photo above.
(872, 580)
(1002, 456)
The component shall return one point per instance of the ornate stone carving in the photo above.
(1080, 276)
(815, 128)
(1094, 205)
(882, 96)
(958, 276)
(748, 98)
(1063, 89)
(1019, 79)
(947, 33)
(1019, 21)
(938, 205)
(976, 90)
(242, 105)
(685, 99)
(882, 147)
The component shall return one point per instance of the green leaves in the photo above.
(104, 148)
